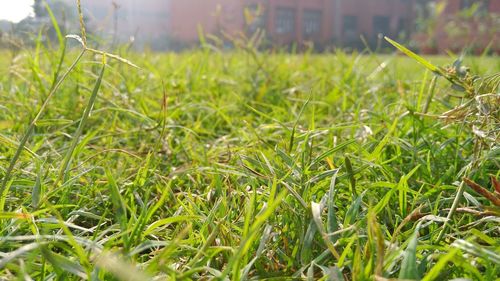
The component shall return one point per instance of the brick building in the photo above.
(339, 21)
(285, 21)
(324, 22)
(289, 21)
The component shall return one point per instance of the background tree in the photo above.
(39, 9)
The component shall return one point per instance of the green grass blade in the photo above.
(416, 57)
(32, 125)
(119, 206)
(55, 24)
(307, 243)
(350, 173)
(37, 189)
(332, 221)
(409, 267)
(440, 266)
(62, 264)
(331, 151)
(478, 251)
(63, 172)
(18, 253)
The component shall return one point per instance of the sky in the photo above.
(15, 10)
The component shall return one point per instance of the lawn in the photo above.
(241, 166)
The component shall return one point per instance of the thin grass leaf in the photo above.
(332, 222)
(477, 250)
(53, 122)
(63, 172)
(165, 222)
(294, 129)
(376, 153)
(440, 266)
(202, 251)
(55, 24)
(350, 174)
(119, 206)
(409, 267)
(246, 243)
(376, 238)
(113, 56)
(19, 252)
(353, 211)
(31, 128)
(307, 243)
(331, 151)
(416, 57)
(63, 264)
(316, 210)
(37, 189)
(266, 235)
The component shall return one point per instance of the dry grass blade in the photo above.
(83, 40)
(483, 191)
(116, 57)
(77, 38)
(82, 23)
(495, 183)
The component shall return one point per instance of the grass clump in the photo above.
(247, 166)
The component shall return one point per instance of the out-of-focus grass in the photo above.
(233, 166)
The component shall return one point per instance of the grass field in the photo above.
(240, 166)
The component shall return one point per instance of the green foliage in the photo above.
(242, 166)
(478, 111)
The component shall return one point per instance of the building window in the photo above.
(403, 28)
(381, 25)
(403, 25)
(350, 27)
(312, 22)
(285, 20)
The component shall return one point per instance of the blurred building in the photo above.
(164, 23)
(293, 21)
(285, 21)
(333, 21)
